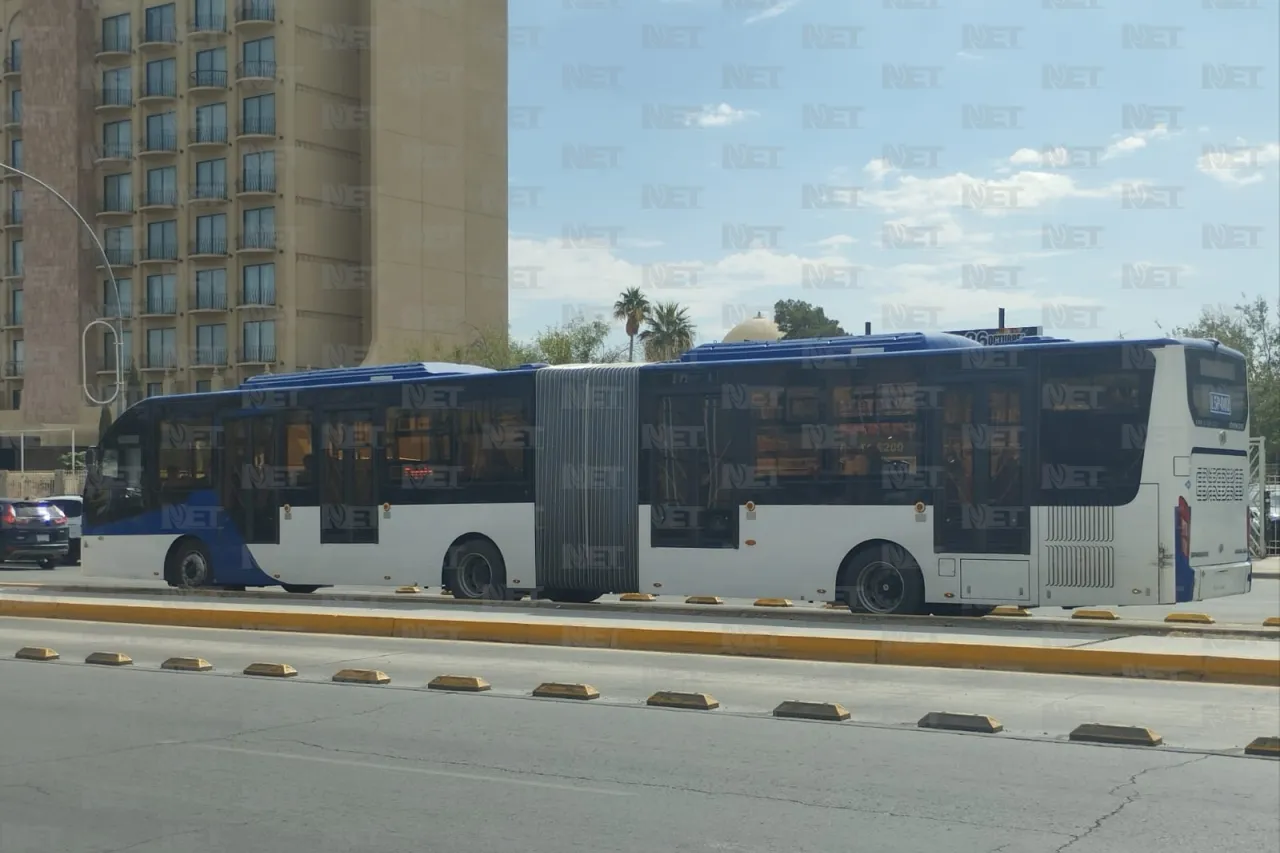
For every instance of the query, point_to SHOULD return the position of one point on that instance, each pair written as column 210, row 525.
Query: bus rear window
column 1217, row 390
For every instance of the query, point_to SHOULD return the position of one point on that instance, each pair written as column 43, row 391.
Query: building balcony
column 208, row 25
column 112, row 311
column 209, row 357
column 158, row 144
column 120, row 257
column 209, row 134
column 262, row 240
column 13, row 118
column 15, row 369
column 206, row 301
column 256, row 69
column 251, row 13
column 258, row 297
column 155, row 91
column 12, row 66
column 107, row 364
column 257, row 184
column 208, row 194
column 260, row 354
column 208, row 247
column 14, row 271
column 159, row 306
column 158, row 199
column 165, row 359
column 113, row 152
column 160, row 253
column 116, row 205
column 119, row 44
column 13, row 217
column 257, row 127
column 208, row 80
column 157, row 37
column 114, row 98
column 13, row 320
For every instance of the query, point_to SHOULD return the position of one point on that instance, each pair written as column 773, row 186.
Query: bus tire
column 886, row 580
column 298, row 589
column 189, row 566
column 477, row 572
column 571, row 596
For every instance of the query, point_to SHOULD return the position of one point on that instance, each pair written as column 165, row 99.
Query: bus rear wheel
column 885, row 580
column 298, row 589
column 478, row 572
column 189, row 566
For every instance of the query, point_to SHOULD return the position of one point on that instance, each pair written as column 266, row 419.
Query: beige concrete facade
column 279, row 184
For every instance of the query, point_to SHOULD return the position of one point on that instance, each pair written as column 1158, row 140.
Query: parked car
column 33, row 530
column 72, row 507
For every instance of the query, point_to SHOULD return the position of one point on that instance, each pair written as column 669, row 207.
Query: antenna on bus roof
column 1001, row 323
column 866, row 330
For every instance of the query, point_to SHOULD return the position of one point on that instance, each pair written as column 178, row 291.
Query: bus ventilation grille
column 1219, row 485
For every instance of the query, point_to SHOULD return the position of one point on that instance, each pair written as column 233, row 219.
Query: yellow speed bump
column 109, row 659
column 408, row 590
column 773, row 602
column 704, row 599
column 553, row 690
column 187, row 664
column 271, row 670
column 1126, row 735
column 1101, row 615
column 1265, row 746
column 1190, row 618
column 796, row 710
column 1010, row 610
column 361, row 676
column 691, row 701
column 36, row 653
column 638, row 596
column 1271, row 622
column 464, row 683
column 951, row 721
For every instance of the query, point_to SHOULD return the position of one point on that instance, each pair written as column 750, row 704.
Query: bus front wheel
column 478, row 572
column 189, row 566
column 885, row 580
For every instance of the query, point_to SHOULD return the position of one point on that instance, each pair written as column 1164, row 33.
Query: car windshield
column 71, row 509
column 45, row 511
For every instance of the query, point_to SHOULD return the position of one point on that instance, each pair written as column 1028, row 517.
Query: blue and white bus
column 903, row 473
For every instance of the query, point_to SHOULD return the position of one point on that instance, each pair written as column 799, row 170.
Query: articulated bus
column 905, row 473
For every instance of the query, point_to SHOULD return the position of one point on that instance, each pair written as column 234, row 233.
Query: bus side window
column 184, row 457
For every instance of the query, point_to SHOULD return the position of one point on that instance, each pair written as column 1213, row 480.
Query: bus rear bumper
column 1223, row 580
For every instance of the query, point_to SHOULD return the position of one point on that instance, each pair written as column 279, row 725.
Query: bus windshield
column 1217, row 390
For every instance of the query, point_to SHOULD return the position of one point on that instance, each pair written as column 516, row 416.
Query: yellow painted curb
column 465, row 683
column 1106, row 733
column 271, row 670
column 704, row 599
column 951, row 721
column 553, row 690
column 361, row 676
column 36, row 653
column 795, row 710
column 773, row 602
column 1010, row 610
column 1265, row 746
column 690, row 701
column 1102, row 615
column 187, row 664
column 109, row 659
column 1193, row 618
column 638, row 596
column 408, row 590
column 1271, row 622
column 679, row 638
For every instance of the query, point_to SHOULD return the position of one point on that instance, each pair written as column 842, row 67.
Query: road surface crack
column 1132, row 781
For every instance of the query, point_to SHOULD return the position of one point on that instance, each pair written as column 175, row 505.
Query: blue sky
column 1097, row 167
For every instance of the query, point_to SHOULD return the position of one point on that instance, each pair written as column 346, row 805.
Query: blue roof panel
column 820, row 347
column 360, row 375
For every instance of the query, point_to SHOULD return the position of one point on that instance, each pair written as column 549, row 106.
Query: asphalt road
column 1262, row 603
column 102, row 761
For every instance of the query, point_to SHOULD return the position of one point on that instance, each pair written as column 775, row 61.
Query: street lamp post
column 118, row 330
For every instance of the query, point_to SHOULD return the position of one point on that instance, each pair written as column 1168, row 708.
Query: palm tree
column 633, row 309
column 670, row 332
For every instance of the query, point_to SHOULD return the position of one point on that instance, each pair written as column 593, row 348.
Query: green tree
column 670, row 332
column 1253, row 328
column 633, row 309
column 798, row 319
column 579, row 341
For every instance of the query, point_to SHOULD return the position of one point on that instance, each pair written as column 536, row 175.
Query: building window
column 211, row 67
column 260, row 340
column 211, row 234
column 119, row 245
column 162, row 348
column 211, row 289
column 16, row 398
column 117, row 139
column 155, row 389
column 18, row 355
column 162, row 23
column 15, row 105
column 109, row 350
column 162, row 294
column 15, row 206
column 211, row 344
column 162, row 240
column 259, row 285
column 15, row 308
column 211, row 179
column 116, row 35
column 258, row 171
column 15, row 153
column 16, row 265
column 210, row 15
column 258, row 114
column 15, row 55
column 260, row 220
column 204, row 386
column 162, row 186
column 117, row 192
column 162, row 132
column 259, row 57
column 124, row 308
column 162, row 77
column 211, row 123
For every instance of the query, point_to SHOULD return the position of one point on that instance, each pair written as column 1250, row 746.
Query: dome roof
column 757, row 328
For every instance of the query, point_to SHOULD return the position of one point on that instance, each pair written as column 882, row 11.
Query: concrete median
column 1172, row 658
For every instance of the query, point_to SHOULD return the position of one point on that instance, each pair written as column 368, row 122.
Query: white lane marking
column 424, row 771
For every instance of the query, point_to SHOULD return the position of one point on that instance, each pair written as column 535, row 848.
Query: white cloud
column 878, row 169
column 964, row 54
column 721, row 115
column 779, row 8
column 1240, row 164
column 1134, row 142
column 836, row 240
column 1026, row 157
column 1020, row 191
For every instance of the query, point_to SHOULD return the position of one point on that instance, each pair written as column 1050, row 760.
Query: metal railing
column 258, row 127
column 256, row 69
column 209, row 192
column 13, row 64
column 115, row 96
column 158, row 34
column 209, row 23
column 116, row 43
column 257, row 239
column 115, row 151
column 117, row 312
column 120, row 257
column 160, row 198
column 15, row 369
column 160, row 252
column 164, row 358
column 255, row 10
column 209, row 134
column 257, row 182
column 159, row 88
column 205, row 301
column 258, row 295
column 257, row 354
column 164, row 141
column 209, row 79
column 209, row 246
column 160, row 306
column 209, row 356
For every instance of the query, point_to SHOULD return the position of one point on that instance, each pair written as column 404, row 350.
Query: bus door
column 984, row 501
column 348, row 478
column 250, row 477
